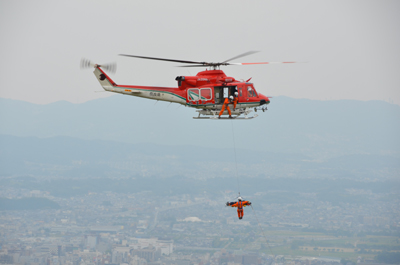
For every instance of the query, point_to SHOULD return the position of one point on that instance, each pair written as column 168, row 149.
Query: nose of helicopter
column 263, row 99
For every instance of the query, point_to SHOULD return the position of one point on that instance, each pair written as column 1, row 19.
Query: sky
column 348, row 49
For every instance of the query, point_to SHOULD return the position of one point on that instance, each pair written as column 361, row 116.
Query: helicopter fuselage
column 207, row 90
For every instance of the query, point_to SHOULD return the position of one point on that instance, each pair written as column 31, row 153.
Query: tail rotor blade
column 109, row 67
column 85, row 63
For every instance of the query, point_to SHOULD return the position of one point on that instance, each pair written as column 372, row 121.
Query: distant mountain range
column 126, row 136
column 317, row 129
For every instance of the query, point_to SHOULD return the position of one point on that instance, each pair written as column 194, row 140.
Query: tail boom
column 157, row 93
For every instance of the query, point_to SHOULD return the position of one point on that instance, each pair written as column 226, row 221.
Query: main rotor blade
column 162, row 59
column 207, row 64
column 217, row 64
column 239, row 56
column 197, row 65
column 259, row 63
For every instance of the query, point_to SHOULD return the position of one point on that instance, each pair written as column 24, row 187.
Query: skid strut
column 235, row 114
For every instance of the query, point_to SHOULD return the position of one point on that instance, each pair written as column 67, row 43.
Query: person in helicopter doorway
column 239, row 204
column 227, row 101
column 235, row 100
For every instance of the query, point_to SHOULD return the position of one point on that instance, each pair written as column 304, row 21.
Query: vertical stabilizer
column 105, row 81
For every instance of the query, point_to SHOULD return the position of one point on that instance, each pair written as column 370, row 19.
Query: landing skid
column 214, row 115
column 227, row 118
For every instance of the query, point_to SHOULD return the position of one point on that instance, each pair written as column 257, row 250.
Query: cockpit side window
column 250, row 92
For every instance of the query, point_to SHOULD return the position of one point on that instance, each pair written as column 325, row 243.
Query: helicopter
column 205, row 92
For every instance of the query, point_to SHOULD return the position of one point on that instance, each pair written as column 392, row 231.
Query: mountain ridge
column 318, row 129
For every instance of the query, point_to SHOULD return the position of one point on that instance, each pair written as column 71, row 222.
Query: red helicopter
column 206, row 91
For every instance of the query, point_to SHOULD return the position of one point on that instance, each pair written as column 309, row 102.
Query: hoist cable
column 262, row 230
column 234, row 149
column 237, row 179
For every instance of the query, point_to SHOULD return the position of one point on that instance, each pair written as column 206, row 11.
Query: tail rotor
column 109, row 67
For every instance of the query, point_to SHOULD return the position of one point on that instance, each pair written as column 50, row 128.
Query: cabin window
column 193, row 94
column 240, row 92
column 206, row 93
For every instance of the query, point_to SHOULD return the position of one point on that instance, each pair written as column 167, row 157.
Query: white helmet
column 236, row 93
column 230, row 97
column 240, row 198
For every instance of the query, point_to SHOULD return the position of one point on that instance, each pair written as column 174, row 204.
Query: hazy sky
column 352, row 47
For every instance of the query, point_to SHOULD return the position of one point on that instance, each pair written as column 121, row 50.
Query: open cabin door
column 222, row 92
column 226, row 92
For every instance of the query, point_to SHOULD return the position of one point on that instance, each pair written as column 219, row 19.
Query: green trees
column 388, row 257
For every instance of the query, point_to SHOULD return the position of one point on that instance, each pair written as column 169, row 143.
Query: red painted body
column 203, row 91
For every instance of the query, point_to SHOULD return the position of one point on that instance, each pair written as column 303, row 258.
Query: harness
column 240, row 205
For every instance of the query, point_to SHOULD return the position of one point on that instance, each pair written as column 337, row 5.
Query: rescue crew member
column 235, row 100
column 226, row 105
column 239, row 204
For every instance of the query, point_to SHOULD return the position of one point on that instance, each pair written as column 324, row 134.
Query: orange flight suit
column 239, row 205
column 235, row 101
column 226, row 103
